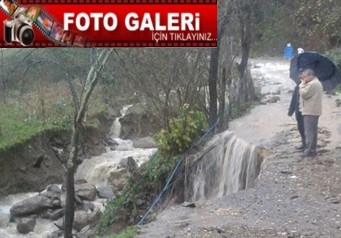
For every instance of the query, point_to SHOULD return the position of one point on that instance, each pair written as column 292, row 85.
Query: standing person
column 295, row 108
column 311, row 100
column 288, row 52
column 295, row 100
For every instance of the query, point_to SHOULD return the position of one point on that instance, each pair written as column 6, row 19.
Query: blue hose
column 173, row 173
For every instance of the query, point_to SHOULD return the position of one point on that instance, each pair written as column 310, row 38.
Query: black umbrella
column 324, row 68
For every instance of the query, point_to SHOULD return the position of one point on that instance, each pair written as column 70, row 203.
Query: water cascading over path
column 226, row 165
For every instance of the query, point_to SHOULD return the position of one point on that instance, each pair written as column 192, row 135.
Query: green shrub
column 158, row 168
column 152, row 176
column 183, row 131
column 335, row 56
column 129, row 232
column 109, row 214
column 146, row 184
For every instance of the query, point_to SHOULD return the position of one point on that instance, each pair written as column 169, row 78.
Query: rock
column 338, row 102
column 110, row 142
column 117, row 179
column 140, row 202
column 78, row 199
column 88, row 206
column 62, row 200
column 26, row 225
column 293, row 197
column 285, row 172
column 144, row 143
column 262, row 102
column 46, row 214
column 273, row 99
column 129, row 164
column 106, row 192
column 52, row 197
column 334, row 200
column 86, row 191
column 81, row 181
column 54, row 189
column 60, row 223
column 57, row 214
column 83, row 218
column 188, row 204
column 86, row 232
column 32, row 205
column 56, row 234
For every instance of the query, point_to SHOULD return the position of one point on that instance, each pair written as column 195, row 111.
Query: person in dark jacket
column 295, row 108
column 295, row 100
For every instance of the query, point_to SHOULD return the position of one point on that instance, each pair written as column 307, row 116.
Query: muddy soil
column 294, row 196
column 34, row 165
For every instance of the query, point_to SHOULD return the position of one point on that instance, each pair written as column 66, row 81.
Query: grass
column 37, row 97
column 129, row 232
column 17, row 127
column 20, row 120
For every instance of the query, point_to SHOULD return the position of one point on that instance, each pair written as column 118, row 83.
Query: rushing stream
column 95, row 170
column 8, row 229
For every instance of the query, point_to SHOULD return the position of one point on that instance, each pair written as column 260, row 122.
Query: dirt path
column 294, row 197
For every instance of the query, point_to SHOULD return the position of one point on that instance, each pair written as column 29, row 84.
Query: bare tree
column 214, row 63
column 2, row 82
column 81, row 106
column 244, row 12
column 165, row 79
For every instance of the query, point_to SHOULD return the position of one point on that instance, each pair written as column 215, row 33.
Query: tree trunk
column 70, row 203
column 212, row 84
column 223, row 122
column 214, row 65
column 70, row 185
column 245, row 36
column 3, row 82
column 71, row 164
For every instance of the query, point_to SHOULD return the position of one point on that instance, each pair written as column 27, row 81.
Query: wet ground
column 294, row 197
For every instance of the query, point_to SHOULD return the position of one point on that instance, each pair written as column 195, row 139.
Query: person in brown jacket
column 311, row 92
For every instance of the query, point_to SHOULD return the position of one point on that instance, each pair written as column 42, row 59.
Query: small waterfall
column 98, row 169
column 226, row 165
column 115, row 129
